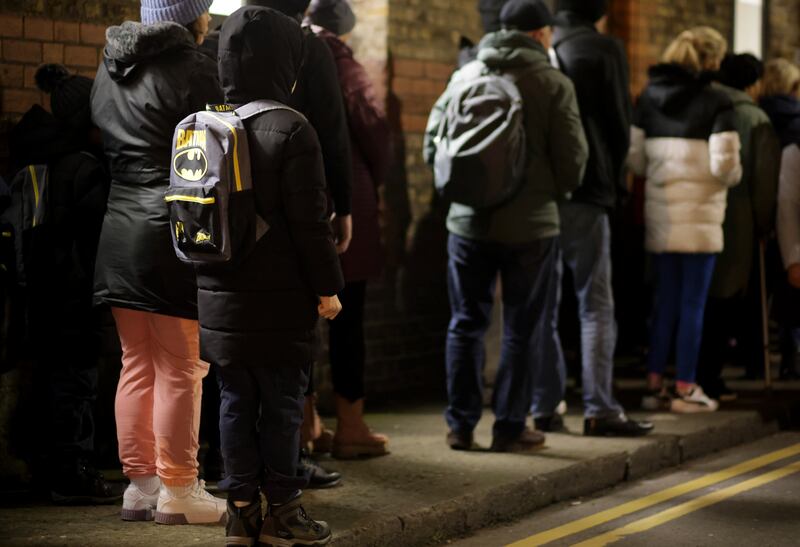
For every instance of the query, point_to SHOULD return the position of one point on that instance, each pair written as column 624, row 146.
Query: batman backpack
column 212, row 209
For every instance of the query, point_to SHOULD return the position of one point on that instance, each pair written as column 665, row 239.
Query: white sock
column 149, row 485
column 181, row 491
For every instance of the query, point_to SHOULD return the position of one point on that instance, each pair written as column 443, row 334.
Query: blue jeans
column 526, row 273
column 586, row 248
column 682, row 283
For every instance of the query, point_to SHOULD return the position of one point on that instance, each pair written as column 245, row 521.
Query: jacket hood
column 509, row 49
column 292, row 8
column 39, row 138
column 338, row 47
column 737, row 96
column 568, row 18
column 784, row 112
column 671, row 86
column 260, row 55
column 130, row 43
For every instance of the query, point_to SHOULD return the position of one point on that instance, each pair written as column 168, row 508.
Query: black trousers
column 261, row 410
column 346, row 343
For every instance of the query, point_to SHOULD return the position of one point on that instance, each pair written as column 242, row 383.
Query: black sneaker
column 244, row 524
column 550, row 424
column 616, row 426
column 84, row 485
column 288, row 525
column 318, row 476
column 459, row 441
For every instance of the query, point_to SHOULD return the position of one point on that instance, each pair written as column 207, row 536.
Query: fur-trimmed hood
column 130, row 43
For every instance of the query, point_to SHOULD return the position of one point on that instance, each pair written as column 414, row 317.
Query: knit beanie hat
column 740, row 71
column 525, row 15
column 592, row 10
column 333, row 15
column 292, row 8
column 490, row 14
column 70, row 95
column 178, row 11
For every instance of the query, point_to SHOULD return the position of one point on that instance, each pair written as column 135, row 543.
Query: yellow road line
column 689, row 507
column 614, row 513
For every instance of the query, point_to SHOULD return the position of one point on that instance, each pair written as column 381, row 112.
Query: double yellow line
column 673, row 513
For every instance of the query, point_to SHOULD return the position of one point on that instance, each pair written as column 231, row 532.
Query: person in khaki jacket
column 517, row 239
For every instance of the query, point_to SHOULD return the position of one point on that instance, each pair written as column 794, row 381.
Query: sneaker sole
column 271, row 541
column 180, row 518
column 682, row 407
column 238, row 541
column 137, row 514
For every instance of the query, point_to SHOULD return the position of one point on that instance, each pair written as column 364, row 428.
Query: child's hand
column 329, row 307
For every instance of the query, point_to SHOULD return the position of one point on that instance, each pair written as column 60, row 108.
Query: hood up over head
column 292, row 8
column 260, row 55
column 130, row 43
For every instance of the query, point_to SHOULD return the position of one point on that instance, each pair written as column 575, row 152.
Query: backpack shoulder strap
column 261, row 106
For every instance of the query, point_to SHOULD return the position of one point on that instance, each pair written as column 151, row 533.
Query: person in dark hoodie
column 57, row 228
column 369, row 134
column 153, row 75
column 684, row 140
column 597, row 66
column 781, row 102
column 257, row 321
column 734, row 305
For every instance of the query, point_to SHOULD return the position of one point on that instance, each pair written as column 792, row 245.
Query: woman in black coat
column 153, row 75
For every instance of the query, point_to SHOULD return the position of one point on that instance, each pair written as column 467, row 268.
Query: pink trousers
column 158, row 396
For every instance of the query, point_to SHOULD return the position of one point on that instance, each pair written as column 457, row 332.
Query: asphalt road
column 747, row 496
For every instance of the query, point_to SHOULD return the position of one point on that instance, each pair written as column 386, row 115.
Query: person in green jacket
column 517, row 239
column 734, row 298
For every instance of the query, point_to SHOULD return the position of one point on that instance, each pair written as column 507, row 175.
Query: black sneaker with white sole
column 289, row 525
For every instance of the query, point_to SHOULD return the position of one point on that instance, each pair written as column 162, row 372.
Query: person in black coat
column 55, row 230
column 597, row 66
column 152, row 76
column 257, row 319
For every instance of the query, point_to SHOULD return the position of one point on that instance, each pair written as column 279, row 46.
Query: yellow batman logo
column 191, row 164
column 202, row 237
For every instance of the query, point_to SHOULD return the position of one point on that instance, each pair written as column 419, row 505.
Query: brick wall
column 783, row 34
column 648, row 26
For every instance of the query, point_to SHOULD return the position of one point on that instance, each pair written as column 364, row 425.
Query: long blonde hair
column 697, row 49
column 781, row 77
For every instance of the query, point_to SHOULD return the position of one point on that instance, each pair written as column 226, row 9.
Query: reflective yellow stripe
column 201, row 201
column 35, row 182
column 236, row 174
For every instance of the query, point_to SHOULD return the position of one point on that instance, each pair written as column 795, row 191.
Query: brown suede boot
column 353, row 438
column 314, row 436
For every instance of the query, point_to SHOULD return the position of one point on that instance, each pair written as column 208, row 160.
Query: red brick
column 414, row 124
column 19, row 101
column 12, row 75
column 439, row 71
column 38, row 29
column 93, row 34
column 408, row 68
column 83, row 56
column 30, row 77
column 52, row 53
column 11, row 26
column 22, row 51
column 67, row 32
column 88, row 72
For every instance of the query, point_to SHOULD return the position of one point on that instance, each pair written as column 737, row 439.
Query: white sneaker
column 136, row 505
column 189, row 505
column 693, row 402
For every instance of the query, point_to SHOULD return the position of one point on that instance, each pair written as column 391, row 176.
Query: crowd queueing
column 534, row 144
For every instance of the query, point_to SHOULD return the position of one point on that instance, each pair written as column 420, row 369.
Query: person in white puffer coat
column 685, row 142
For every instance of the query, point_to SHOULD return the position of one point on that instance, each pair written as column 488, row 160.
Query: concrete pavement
column 424, row 493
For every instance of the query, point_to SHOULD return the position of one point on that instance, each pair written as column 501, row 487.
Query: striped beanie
column 177, row 11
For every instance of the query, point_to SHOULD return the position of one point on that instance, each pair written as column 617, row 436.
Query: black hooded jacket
column 266, row 307
column 784, row 112
column 597, row 66
column 151, row 78
column 319, row 98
